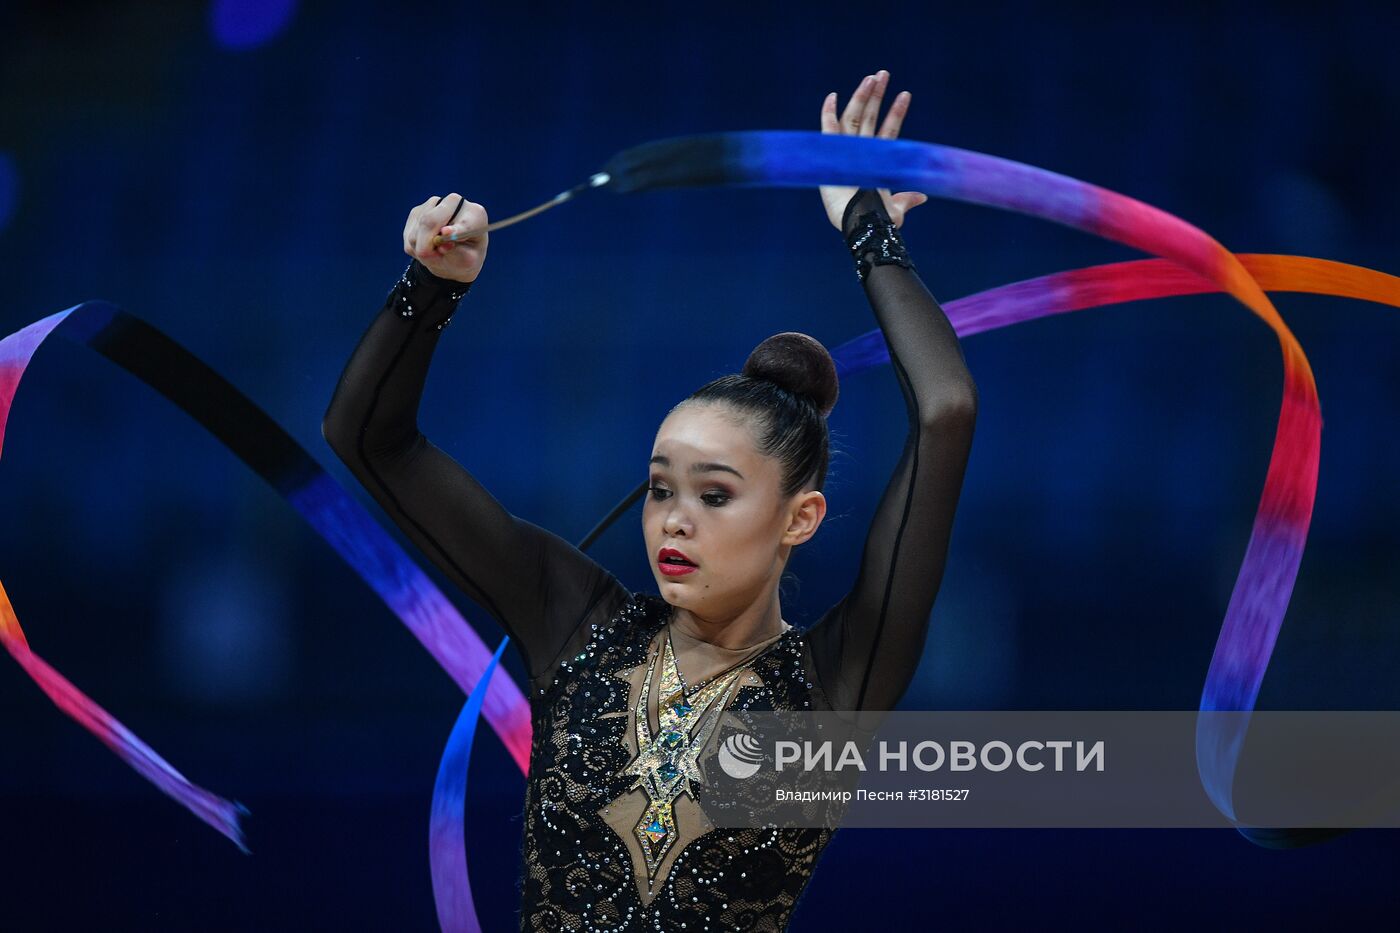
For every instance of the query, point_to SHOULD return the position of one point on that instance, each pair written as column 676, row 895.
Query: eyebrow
column 700, row 467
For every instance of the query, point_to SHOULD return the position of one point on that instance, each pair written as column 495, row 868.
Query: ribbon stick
column 1188, row 261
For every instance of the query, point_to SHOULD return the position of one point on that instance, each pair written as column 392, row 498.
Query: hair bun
column 799, row 364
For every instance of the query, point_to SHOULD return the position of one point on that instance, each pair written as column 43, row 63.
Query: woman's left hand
column 859, row 119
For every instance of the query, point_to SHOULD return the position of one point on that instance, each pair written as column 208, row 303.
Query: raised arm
column 535, row 584
column 867, row 647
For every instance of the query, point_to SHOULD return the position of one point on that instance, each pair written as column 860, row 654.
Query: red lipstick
column 673, row 563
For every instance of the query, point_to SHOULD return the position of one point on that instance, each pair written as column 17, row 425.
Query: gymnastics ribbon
column 1058, row 293
column 447, row 843
column 1190, row 263
column 1265, row 582
column 1099, row 286
column 270, row 451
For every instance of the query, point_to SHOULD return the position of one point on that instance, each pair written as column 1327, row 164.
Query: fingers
column 871, row 114
column 411, row 224
column 473, row 217
column 850, row 117
column 449, row 244
column 862, row 112
column 895, row 118
column 433, row 220
column 908, row 200
column 829, row 122
column 444, row 207
column 424, row 222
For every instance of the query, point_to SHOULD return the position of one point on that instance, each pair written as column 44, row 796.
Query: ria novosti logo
column 740, row 756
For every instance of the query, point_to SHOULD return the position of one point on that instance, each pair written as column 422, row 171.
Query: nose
column 676, row 524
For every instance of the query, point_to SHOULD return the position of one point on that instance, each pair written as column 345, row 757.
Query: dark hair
column 789, row 386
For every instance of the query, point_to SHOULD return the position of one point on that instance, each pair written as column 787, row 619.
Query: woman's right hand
column 459, row 261
column 859, row 118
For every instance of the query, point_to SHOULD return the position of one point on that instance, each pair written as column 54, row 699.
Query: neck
column 759, row 622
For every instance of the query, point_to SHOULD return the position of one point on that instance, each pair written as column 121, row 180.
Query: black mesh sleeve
column 866, row 648
column 539, row 587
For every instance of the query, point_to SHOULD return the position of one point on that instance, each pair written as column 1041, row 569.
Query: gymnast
column 615, row 834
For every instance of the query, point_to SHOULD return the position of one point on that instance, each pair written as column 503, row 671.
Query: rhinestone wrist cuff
column 875, row 241
column 420, row 292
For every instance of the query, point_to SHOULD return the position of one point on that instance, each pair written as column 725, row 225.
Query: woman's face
column 715, row 498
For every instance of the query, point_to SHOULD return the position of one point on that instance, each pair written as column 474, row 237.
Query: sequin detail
column 875, row 241
column 579, row 872
column 431, row 294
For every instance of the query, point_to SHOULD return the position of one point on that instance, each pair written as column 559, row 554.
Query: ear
column 804, row 516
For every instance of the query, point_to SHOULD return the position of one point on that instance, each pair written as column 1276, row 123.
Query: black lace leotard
column 587, row 641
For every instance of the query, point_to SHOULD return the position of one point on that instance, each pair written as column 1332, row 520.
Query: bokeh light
column 247, row 24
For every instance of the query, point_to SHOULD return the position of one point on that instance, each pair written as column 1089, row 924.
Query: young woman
column 619, row 681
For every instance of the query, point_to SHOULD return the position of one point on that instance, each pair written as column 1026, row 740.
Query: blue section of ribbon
column 447, row 849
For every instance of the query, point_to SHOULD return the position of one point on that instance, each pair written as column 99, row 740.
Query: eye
column 659, row 493
column 715, row 499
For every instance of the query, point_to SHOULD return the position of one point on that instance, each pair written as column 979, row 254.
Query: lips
column 673, row 562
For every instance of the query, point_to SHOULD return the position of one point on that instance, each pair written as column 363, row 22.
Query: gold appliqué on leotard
column 667, row 762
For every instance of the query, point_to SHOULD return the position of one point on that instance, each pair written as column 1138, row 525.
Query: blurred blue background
column 238, row 175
